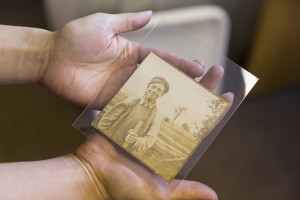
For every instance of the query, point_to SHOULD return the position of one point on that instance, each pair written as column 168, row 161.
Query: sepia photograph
column 160, row 116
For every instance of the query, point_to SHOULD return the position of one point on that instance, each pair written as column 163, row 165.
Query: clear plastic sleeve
column 165, row 37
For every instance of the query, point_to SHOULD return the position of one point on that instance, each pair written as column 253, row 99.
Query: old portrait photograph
column 160, row 116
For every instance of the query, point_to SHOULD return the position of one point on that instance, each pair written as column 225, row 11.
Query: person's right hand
column 120, row 177
column 131, row 137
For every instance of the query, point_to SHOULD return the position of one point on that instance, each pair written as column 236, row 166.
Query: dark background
column 255, row 156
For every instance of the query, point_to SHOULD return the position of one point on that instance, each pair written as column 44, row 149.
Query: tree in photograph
column 197, row 131
column 167, row 119
column 186, row 127
column 217, row 108
column 178, row 111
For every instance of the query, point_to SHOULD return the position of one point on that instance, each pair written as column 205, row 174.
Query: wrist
column 93, row 185
column 58, row 178
column 24, row 53
column 77, row 179
column 40, row 49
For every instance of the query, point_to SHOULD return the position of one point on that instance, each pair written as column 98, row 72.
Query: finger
column 228, row 97
column 200, row 62
column 132, row 133
column 129, row 21
column 130, row 140
column 212, row 77
column 127, row 139
column 191, row 68
column 133, row 139
column 191, row 190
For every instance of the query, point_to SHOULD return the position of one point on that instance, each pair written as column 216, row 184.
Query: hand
column 98, row 170
column 122, row 177
column 131, row 137
column 88, row 52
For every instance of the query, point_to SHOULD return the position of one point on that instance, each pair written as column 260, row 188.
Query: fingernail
column 230, row 94
column 200, row 62
column 147, row 12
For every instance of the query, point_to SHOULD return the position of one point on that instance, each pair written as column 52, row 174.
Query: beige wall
column 275, row 57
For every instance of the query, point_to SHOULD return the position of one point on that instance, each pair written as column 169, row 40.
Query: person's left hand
column 86, row 53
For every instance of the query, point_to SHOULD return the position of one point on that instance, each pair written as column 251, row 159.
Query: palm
column 123, row 178
column 84, row 57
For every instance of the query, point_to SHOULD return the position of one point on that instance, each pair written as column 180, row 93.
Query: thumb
column 183, row 189
column 126, row 22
